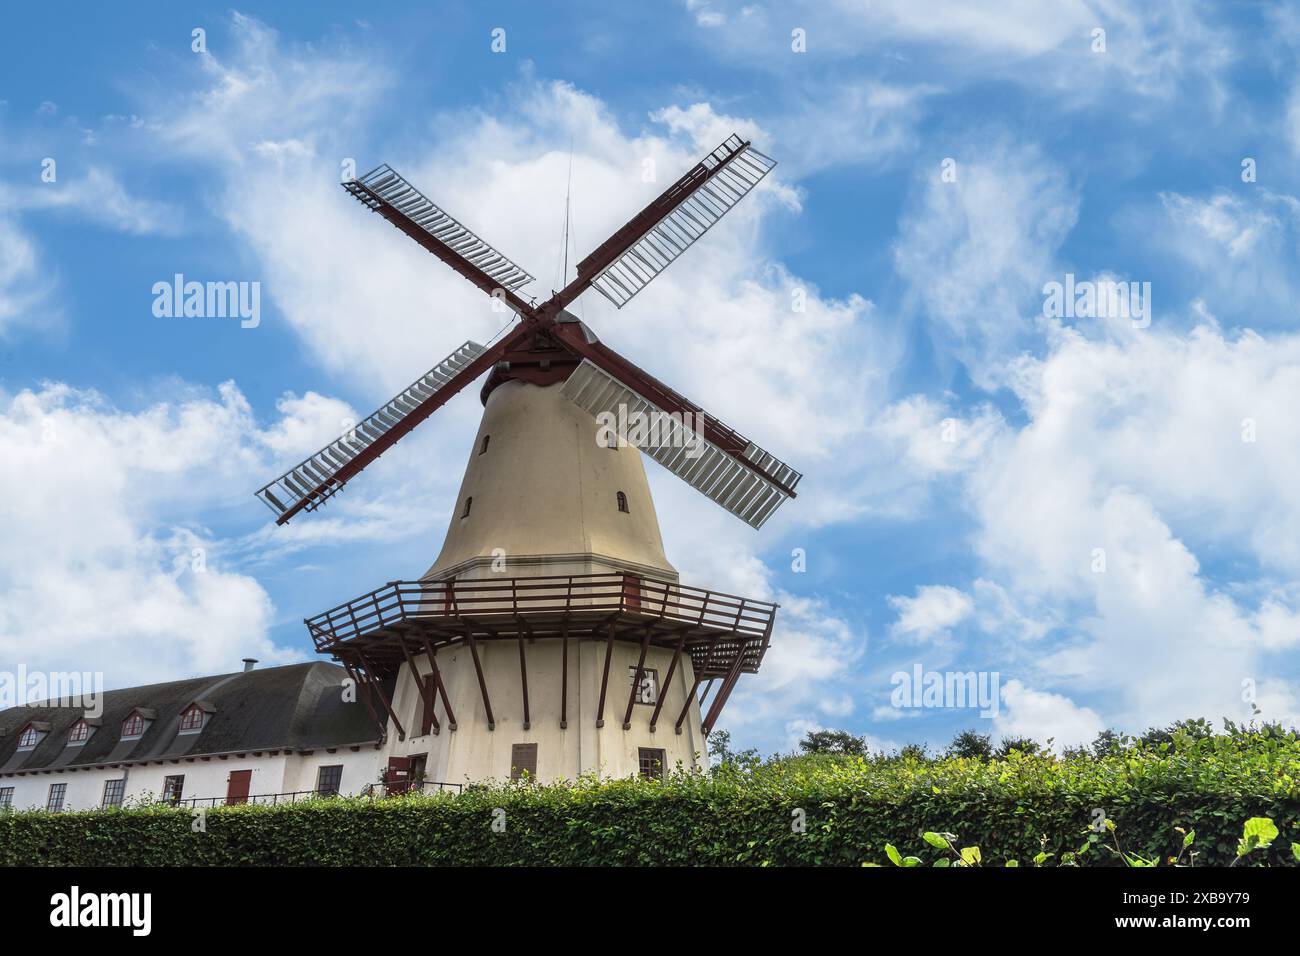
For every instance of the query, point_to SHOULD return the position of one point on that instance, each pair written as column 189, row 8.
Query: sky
column 1097, row 515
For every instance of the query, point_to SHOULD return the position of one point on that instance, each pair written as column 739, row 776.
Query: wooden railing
column 532, row 598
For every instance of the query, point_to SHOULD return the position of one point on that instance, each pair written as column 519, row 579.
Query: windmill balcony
column 723, row 634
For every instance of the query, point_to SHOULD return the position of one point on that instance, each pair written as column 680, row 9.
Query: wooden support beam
column 636, row 679
column 564, row 673
column 432, row 653
column 604, row 680
column 383, row 699
column 478, row 669
column 690, row 698
column 523, row 678
column 364, row 691
column 733, row 677
column 667, row 682
column 704, row 694
column 429, row 720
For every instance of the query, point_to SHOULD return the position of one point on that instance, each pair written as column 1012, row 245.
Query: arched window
column 133, row 726
column 622, row 502
column 192, row 718
column 483, row 447
column 469, row 503
column 79, row 733
column 29, row 737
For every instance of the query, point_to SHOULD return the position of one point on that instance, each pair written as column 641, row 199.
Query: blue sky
column 967, row 457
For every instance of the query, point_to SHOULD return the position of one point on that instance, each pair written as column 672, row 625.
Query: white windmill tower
column 551, row 635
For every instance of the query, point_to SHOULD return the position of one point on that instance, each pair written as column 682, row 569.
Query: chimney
column 248, row 663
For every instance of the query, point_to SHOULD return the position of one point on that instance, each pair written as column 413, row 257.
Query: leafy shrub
column 816, row 809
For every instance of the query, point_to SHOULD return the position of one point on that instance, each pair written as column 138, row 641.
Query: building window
column 113, row 791
column 55, row 801
column 28, row 738
column 6, row 797
column 79, row 733
column 328, row 780
column 523, row 760
column 469, row 503
column 483, row 447
column 192, row 719
column 622, row 503
column 173, row 785
column 133, row 726
column 648, row 691
column 651, row 763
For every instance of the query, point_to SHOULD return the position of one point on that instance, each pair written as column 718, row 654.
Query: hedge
column 1013, row 809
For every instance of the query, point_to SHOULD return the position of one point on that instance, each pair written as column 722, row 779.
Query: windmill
column 610, row 583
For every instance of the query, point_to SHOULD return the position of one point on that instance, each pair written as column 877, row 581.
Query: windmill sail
column 384, row 190
column 751, row 484
column 655, row 237
column 310, row 483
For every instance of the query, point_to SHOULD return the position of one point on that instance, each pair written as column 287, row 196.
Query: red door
column 398, row 779
column 237, row 785
column 631, row 593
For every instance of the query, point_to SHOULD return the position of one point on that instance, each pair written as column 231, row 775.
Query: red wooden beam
column 364, row 691
column 690, row 698
column 564, row 674
column 428, row 702
column 401, row 732
column 649, row 387
column 733, row 676
column 432, row 653
column 482, row 684
column 636, row 680
column 667, row 682
column 604, row 680
column 634, row 229
column 444, row 252
column 418, row 414
column 523, row 677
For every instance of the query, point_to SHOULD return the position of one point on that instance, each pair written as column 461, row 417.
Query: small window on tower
column 483, row 447
column 622, row 502
column 650, row 762
column 469, row 503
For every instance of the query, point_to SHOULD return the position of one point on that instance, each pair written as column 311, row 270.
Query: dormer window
column 32, row 735
column 80, row 732
column 195, row 716
column 133, row 726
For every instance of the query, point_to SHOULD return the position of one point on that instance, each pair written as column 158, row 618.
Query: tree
column 968, row 743
column 722, row 754
column 1109, row 743
column 1023, row 744
column 839, row 742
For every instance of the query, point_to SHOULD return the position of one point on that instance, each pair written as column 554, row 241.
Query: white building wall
column 473, row 753
column 204, row 777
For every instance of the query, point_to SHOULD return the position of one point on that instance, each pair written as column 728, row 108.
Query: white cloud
column 1134, row 454
column 976, row 251
column 936, row 609
column 97, row 196
column 1151, row 51
column 101, row 570
column 1041, row 716
column 23, row 287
